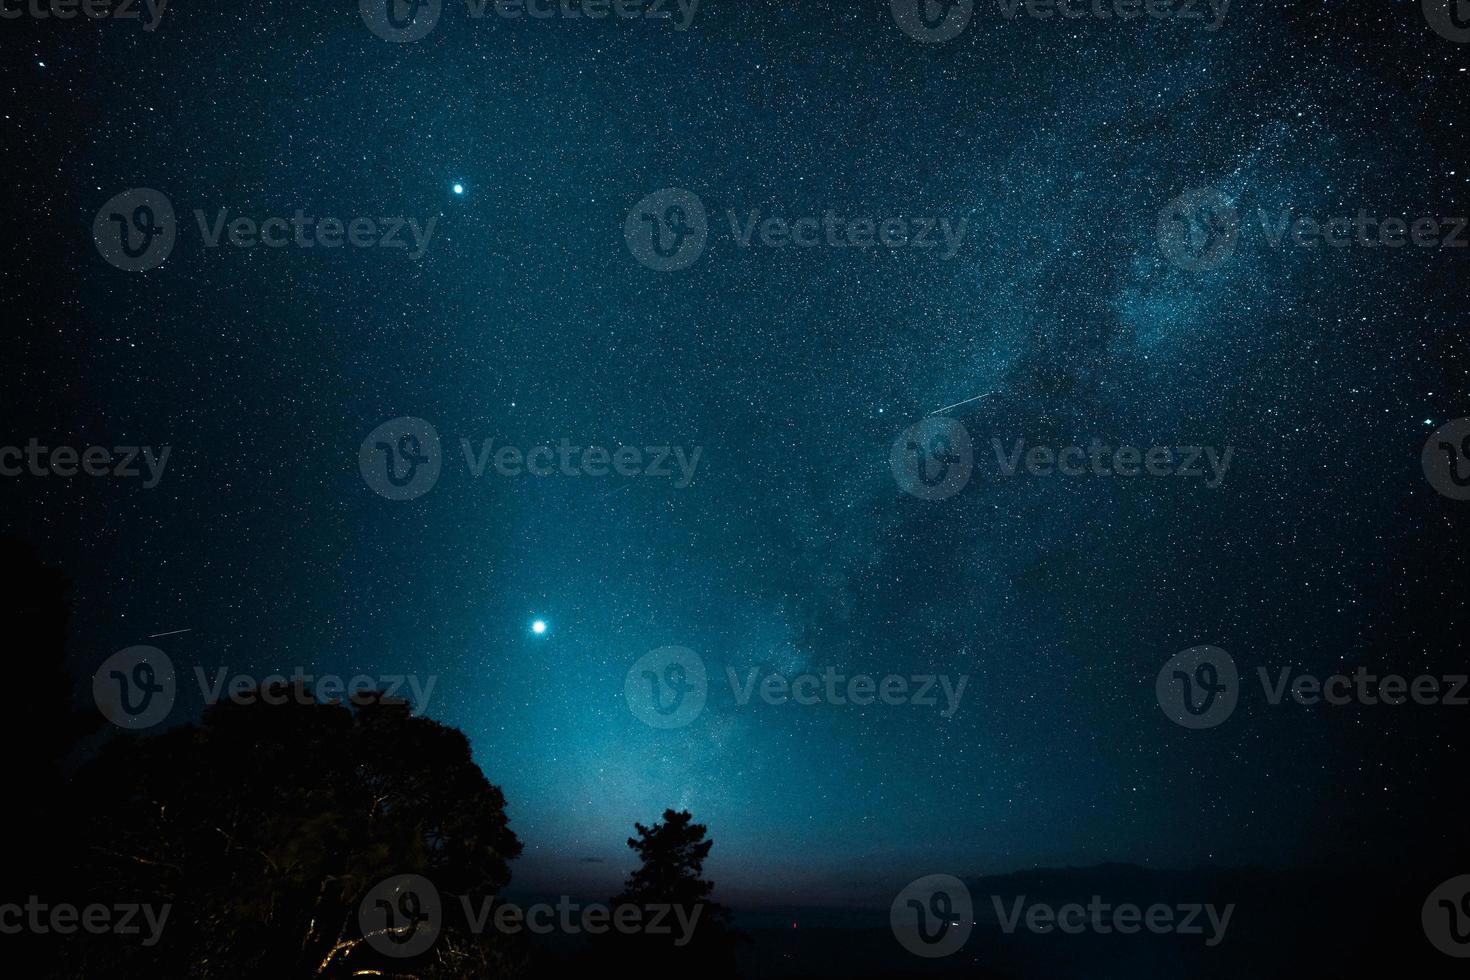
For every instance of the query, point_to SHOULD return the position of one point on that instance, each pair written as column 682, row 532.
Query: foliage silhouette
column 269, row 823
column 672, row 855
column 265, row 825
column 262, row 827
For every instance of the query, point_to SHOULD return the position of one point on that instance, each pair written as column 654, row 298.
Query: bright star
column 459, row 188
column 538, row 627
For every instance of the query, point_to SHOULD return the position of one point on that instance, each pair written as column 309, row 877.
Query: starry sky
column 528, row 320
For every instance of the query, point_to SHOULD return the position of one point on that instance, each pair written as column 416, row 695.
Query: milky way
column 528, row 320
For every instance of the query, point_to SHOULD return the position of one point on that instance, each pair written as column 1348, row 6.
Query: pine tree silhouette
column 671, row 875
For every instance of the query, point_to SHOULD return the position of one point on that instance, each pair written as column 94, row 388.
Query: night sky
column 528, row 319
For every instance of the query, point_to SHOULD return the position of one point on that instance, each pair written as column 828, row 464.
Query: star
column 538, row 627
column 459, row 189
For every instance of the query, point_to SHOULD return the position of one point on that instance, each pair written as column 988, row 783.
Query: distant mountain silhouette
column 1317, row 922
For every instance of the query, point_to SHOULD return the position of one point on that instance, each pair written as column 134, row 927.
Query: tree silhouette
column 266, row 825
column 40, row 726
column 33, row 601
column 671, row 875
column 673, row 854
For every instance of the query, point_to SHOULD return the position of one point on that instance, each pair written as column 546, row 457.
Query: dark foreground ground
column 1318, row 924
